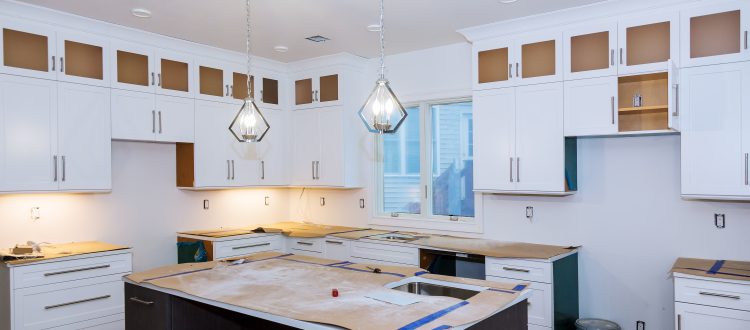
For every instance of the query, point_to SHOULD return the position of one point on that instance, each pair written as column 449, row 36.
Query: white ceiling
column 410, row 24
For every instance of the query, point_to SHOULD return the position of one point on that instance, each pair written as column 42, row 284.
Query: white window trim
column 424, row 220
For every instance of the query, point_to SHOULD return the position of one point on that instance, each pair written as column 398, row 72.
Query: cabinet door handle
column 53, row 63
column 612, row 109
column 62, row 64
column 517, row 75
column 305, row 243
column 250, row 246
column 142, row 302
column 63, row 168
column 232, row 169
column 160, row 122
column 746, row 174
column 312, row 166
column 153, row 79
column 229, row 171
column 745, row 39
column 679, row 322
column 153, row 121
column 511, row 169
column 612, row 57
column 227, row 93
column 335, row 242
column 518, row 169
column 76, row 302
column 262, row 170
column 719, row 295
column 231, row 90
column 54, row 168
column 513, row 269
column 620, row 55
column 62, row 272
column 261, row 96
column 317, row 170
column 510, row 70
column 676, row 111
column 159, row 77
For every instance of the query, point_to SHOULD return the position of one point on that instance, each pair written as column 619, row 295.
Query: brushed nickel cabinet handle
column 676, row 111
column 335, row 242
column 231, row 90
column 305, row 243
column 511, row 169
column 63, row 168
column 250, row 246
column 53, row 63
column 746, row 174
column 153, row 79
column 262, row 169
column 745, row 39
column 54, row 168
column 517, row 75
column 229, row 171
column 313, row 169
column 153, row 121
column 510, row 70
column 612, row 57
column 232, row 169
column 142, row 302
column 518, row 169
column 227, row 93
column 620, row 55
column 159, row 76
column 512, row 269
column 612, row 109
column 160, row 130
column 76, row 270
column 679, row 322
column 719, row 295
column 62, row 64
column 77, row 302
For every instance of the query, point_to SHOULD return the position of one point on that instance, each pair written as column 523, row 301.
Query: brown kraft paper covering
column 492, row 248
column 299, row 287
column 54, row 251
column 355, row 235
column 726, row 269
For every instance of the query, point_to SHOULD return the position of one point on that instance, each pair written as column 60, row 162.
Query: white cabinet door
column 28, row 49
column 538, row 58
column 83, row 58
column 494, row 139
column 245, row 163
column 212, row 144
column 590, row 50
column 132, row 66
column 673, row 94
column 212, row 80
column 713, row 104
column 272, row 150
column 715, row 34
column 28, row 134
column 330, row 167
column 85, row 139
column 590, row 106
column 306, row 147
column 642, row 42
column 493, row 64
column 133, row 115
column 540, row 142
column 175, row 119
column 699, row 317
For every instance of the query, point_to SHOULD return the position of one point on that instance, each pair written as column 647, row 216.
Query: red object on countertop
column 335, row 293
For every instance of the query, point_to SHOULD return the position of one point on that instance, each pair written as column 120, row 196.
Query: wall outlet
column 719, row 220
column 322, row 201
column 35, row 213
column 529, row 212
column 640, row 325
column 205, row 204
column 361, row 203
column 266, row 201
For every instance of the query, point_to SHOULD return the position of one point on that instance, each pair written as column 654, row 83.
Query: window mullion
column 426, row 163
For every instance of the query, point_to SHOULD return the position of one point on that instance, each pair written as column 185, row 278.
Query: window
column 427, row 166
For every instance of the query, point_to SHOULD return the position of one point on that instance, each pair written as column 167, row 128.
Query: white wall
column 144, row 210
column 627, row 215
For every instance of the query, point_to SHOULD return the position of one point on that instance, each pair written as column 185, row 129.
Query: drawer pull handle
column 76, row 270
column 250, row 246
column 142, row 302
column 335, row 242
column 520, row 270
column 305, row 243
column 76, row 302
column 728, row 296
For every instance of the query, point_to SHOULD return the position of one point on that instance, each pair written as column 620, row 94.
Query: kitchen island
column 285, row 291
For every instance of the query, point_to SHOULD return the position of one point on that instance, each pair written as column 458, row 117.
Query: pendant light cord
column 382, row 41
column 247, row 46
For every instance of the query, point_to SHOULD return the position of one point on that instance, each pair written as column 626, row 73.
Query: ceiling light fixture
column 249, row 125
column 382, row 112
column 281, row 49
column 141, row 12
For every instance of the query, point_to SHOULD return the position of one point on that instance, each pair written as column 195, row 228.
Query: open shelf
column 653, row 114
column 646, row 108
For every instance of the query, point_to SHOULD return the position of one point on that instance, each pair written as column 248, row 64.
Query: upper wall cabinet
column 316, row 89
column 144, row 69
column 648, row 42
column 590, row 51
column 216, row 81
column 268, row 90
column 140, row 116
column 41, row 52
column 528, row 59
column 715, row 34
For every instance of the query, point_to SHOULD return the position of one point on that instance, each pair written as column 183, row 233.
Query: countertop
column 66, row 250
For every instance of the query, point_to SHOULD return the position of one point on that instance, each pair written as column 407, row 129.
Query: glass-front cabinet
column 715, row 34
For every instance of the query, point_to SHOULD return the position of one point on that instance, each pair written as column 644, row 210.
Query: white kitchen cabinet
column 28, row 49
column 83, row 58
column 305, row 147
column 715, row 34
column 492, row 64
column 272, row 150
column 590, row 50
column 714, row 104
column 710, row 303
column 590, row 106
column 648, row 42
column 380, row 253
column 337, row 249
column 317, row 89
column 697, row 317
column 533, row 155
column 175, row 119
column 84, row 137
column 142, row 68
column 269, row 91
column 140, row 116
column 220, row 81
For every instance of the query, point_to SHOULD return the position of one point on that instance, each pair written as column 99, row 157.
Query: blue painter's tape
column 716, row 267
column 519, row 287
column 503, row 291
column 434, row 316
column 443, row 327
column 721, row 273
column 421, row 273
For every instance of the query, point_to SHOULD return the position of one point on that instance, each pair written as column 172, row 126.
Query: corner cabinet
column 519, row 142
column 715, row 145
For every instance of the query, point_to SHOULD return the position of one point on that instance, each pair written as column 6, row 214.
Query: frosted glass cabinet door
column 493, row 64
column 713, row 107
column 590, row 107
column 174, row 75
column 132, row 66
column 648, row 42
column 83, row 58
column 28, row 134
column 28, row 50
column 590, row 51
column 494, row 139
column 699, row 317
column 715, row 34
column 538, row 58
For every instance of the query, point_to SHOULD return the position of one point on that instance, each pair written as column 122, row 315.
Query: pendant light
column 382, row 113
column 249, row 125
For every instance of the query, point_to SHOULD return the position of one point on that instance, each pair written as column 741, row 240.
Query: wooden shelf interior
column 25, row 50
column 211, row 81
column 270, row 91
column 239, row 85
column 132, row 68
column 493, row 65
column 329, row 88
column 648, row 43
column 653, row 114
column 538, row 59
column 589, row 52
column 185, row 165
column 84, row 60
column 174, row 75
column 303, row 91
column 715, row 34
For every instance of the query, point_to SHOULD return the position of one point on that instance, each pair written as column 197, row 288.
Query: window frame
column 425, row 219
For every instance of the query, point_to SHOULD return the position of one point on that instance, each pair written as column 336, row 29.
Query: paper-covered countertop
column 54, row 251
column 726, row 269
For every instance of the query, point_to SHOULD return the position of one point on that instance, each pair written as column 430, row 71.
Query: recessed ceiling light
column 141, row 12
column 506, row 1
column 281, row 49
column 373, row 28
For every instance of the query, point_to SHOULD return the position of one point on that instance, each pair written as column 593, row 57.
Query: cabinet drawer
column 71, row 270
column 711, row 293
column 699, row 317
column 226, row 249
column 48, row 306
column 306, row 244
column 386, row 253
column 112, row 322
column 336, row 249
column 539, row 303
column 519, row 269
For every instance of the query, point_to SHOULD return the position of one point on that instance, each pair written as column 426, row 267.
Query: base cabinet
column 697, row 317
column 710, row 303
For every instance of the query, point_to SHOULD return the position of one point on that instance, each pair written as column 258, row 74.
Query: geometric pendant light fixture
column 382, row 113
column 249, row 125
